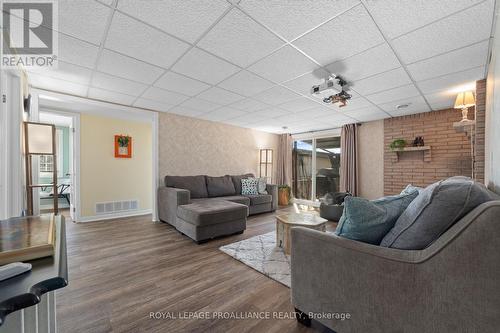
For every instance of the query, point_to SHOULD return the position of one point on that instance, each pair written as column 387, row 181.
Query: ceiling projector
column 332, row 91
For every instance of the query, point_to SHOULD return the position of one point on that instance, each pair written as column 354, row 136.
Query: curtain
column 284, row 161
column 349, row 159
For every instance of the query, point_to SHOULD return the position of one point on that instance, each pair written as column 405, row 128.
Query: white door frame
column 114, row 111
column 75, row 210
column 12, row 184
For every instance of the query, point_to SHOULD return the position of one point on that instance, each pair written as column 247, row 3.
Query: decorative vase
column 283, row 196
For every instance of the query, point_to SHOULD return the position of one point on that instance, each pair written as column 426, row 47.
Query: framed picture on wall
column 123, row 146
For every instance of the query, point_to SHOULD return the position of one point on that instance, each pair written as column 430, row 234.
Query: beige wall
column 103, row 177
column 492, row 140
column 189, row 146
column 371, row 159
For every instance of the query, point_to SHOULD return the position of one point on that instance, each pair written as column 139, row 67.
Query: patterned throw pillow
column 249, row 186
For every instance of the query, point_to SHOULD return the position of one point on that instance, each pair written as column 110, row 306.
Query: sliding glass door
column 319, row 157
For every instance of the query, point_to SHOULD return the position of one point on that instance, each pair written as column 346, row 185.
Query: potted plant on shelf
column 397, row 144
column 284, row 195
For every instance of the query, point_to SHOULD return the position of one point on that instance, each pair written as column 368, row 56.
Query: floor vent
column 116, row 206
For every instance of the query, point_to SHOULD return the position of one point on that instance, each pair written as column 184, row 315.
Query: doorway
column 65, row 164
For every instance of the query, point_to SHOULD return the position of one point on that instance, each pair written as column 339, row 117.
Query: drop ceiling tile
column 249, row 105
column 394, row 94
column 164, row 96
column 134, row 39
column 181, row 84
column 152, row 105
column 249, row 118
column 380, row 82
column 64, row 71
column 344, row 36
column 284, row 64
column 200, row 105
column 291, row 18
column 246, row 83
column 397, row 17
column 239, row 39
column 203, row 66
column 318, row 111
column 185, row 19
column 415, row 104
column 441, row 100
column 455, row 61
column 222, row 114
column 276, row 95
column 110, row 96
column 187, row 112
column 448, row 82
column 304, row 83
column 299, row 104
column 83, row 19
column 451, row 33
column 113, row 83
column 367, row 114
column 49, row 83
column 220, row 96
column 77, row 52
column 370, row 62
column 271, row 112
column 119, row 65
column 334, row 118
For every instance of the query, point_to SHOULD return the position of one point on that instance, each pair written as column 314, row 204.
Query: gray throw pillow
column 434, row 211
column 369, row 221
column 220, row 186
column 261, row 187
column 249, row 186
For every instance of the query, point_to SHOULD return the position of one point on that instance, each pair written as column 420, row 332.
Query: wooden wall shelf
column 425, row 149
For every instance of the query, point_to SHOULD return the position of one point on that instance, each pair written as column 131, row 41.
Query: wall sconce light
column 266, row 164
column 464, row 101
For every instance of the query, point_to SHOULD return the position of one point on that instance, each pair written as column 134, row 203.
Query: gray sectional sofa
column 204, row 207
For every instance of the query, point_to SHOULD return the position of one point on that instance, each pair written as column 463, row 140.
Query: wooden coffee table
column 285, row 222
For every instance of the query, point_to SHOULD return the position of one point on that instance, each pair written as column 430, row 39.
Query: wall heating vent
column 116, row 206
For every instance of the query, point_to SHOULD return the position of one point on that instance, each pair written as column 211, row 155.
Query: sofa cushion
column 369, row 221
column 259, row 199
column 410, row 188
column 211, row 211
column 435, row 210
column 237, row 181
column 220, row 186
column 249, row 186
column 236, row 198
column 195, row 184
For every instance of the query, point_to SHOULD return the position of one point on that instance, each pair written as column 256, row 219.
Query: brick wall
column 450, row 151
column 479, row 141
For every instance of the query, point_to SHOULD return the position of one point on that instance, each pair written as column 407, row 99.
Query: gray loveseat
column 204, row 207
column 450, row 286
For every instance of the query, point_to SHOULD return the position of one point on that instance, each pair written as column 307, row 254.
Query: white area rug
column 260, row 253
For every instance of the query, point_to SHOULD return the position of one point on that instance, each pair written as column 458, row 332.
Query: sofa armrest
column 169, row 198
column 272, row 189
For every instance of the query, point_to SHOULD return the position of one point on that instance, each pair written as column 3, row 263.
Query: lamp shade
column 465, row 100
column 39, row 138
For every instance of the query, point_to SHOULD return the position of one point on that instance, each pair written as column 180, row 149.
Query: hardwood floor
column 122, row 270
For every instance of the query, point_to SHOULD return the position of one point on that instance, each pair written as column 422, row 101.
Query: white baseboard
column 112, row 216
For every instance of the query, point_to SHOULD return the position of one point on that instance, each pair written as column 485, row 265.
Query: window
column 46, row 162
column 319, row 157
